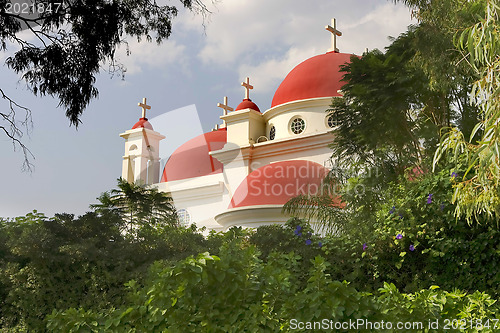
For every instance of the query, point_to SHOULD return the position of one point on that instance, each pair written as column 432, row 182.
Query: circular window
column 297, row 126
column 272, row 133
column 184, row 217
column 332, row 121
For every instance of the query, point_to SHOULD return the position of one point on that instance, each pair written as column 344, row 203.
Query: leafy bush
column 63, row 262
column 414, row 241
column 239, row 292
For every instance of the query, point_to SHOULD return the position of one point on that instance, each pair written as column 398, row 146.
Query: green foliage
column 480, row 193
column 238, row 292
column 377, row 120
column 296, row 238
column 56, row 263
column 444, row 251
column 266, row 280
column 138, row 206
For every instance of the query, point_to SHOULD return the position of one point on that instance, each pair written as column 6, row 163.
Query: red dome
column 277, row 183
column 192, row 158
column 318, row 76
column 247, row 104
column 144, row 123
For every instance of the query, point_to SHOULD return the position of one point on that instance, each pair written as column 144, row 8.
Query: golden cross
column 144, row 107
column 247, row 86
column 226, row 108
column 335, row 33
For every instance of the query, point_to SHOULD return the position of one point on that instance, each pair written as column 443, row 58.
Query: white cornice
column 137, row 132
column 252, row 216
column 242, row 115
column 296, row 105
column 194, row 188
column 274, row 147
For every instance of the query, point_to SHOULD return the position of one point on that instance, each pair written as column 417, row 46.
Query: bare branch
column 14, row 129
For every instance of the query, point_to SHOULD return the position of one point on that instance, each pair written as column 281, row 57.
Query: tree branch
column 12, row 129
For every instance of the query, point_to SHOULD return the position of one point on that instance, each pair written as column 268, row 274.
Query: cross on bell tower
column 226, row 108
column 247, row 86
column 144, row 107
column 141, row 162
column 333, row 29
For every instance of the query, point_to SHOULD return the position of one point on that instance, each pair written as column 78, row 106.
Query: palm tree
column 138, row 206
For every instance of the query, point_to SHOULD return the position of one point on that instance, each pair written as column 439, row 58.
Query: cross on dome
column 247, row 86
column 144, row 107
column 333, row 29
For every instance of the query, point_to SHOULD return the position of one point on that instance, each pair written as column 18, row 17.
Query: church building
column 245, row 170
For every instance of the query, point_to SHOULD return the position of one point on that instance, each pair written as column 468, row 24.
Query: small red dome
column 143, row 123
column 318, row 76
column 192, row 158
column 277, row 183
column 247, row 104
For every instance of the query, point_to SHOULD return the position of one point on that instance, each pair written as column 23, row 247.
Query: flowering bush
column 414, row 241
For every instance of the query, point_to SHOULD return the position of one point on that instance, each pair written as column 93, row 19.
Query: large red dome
column 318, row 76
column 277, row 183
column 192, row 159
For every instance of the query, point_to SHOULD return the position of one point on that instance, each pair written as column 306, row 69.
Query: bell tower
column 141, row 162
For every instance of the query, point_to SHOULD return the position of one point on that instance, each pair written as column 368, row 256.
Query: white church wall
column 312, row 111
column 202, row 198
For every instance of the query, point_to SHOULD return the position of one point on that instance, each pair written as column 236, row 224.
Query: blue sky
column 193, row 70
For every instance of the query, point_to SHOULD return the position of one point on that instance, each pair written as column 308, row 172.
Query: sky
column 183, row 79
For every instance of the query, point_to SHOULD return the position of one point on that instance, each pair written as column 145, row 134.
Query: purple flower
column 308, row 242
column 365, row 247
column 320, row 244
column 400, row 216
column 297, row 231
column 412, row 248
column 429, row 198
column 399, row 236
column 442, row 206
column 454, row 175
column 393, row 209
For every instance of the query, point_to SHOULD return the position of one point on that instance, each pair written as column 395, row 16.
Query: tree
column 55, row 263
column 138, row 206
column 73, row 38
column 479, row 190
column 397, row 106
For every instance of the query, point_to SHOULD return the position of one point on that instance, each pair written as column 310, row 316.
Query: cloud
column 242, row 31
column 373, row 29
column 268, row 74
column 265, row 39
column 369, row 31
column 137, row 56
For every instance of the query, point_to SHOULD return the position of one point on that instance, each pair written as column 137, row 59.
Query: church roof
column 192, row 159
column 277, row 183
column 315, row 77
column 143, row 123
column 247, row 104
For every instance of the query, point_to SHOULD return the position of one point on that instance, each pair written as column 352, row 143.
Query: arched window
column 272, row 133
column 184, row 217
